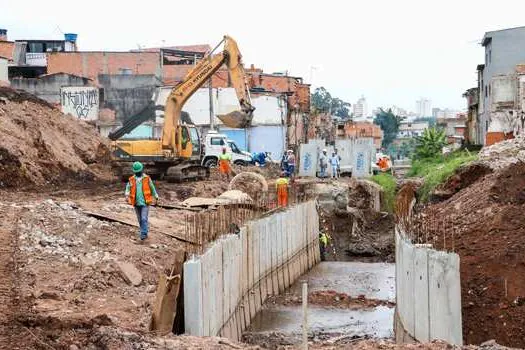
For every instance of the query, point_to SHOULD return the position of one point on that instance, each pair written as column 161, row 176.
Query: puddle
column 374, row 323
column 276, row 323
column 373, row 280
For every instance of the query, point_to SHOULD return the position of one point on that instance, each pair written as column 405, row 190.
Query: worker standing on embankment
column 140, row 193
column 224, row 163
column 290, row 158
column 281, row 186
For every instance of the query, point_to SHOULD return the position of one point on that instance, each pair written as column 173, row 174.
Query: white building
column 361, row 108
column 424, row 107
column 409, row 129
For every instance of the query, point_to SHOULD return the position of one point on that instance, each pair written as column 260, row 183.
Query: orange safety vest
column 146, row 190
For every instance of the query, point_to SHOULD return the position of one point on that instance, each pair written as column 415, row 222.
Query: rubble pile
column 40, row 145
column 505, row 153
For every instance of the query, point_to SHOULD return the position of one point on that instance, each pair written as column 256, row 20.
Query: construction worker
column 334, row 162
column 281, row 186
column 324, row 240
column 140, row 193
column 290, row 159
column 224, row 163
column 323, row 163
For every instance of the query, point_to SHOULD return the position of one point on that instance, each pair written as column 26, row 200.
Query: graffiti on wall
column 81, row 102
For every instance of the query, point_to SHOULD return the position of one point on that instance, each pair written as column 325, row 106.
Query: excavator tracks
column 186, row 172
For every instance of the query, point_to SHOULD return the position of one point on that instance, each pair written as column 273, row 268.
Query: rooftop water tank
column 72, row 37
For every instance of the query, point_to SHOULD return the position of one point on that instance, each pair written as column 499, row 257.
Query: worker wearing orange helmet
column 224, row 163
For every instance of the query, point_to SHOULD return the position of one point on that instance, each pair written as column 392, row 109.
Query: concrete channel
column 372, row 285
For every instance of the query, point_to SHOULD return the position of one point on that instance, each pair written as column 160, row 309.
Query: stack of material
column 40, row 145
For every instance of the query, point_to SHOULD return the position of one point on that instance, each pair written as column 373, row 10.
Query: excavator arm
column 195, row 79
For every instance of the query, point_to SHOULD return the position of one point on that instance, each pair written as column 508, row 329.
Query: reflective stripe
column 146, row 190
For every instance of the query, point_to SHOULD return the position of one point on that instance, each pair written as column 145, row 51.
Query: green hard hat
column 137, row 167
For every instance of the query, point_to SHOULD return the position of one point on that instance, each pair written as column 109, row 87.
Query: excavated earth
column 485, row 212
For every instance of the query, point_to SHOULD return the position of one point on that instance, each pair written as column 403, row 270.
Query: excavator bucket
column 236, row 119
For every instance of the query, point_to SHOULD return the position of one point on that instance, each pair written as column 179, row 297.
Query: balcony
column 36, row 59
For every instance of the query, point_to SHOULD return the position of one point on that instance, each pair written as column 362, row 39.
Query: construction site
column 195, row 202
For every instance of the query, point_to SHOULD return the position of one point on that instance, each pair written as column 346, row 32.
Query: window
column 234, row 147
column 35, row 47
column 486, row 92
column 217, row 141
column 490, row 56
column 486, row 125
column 490, row 90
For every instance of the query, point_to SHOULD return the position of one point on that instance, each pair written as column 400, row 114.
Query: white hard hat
column 290, row 151
column 324, row 149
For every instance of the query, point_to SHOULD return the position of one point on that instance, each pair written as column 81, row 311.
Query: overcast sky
column 390, row 51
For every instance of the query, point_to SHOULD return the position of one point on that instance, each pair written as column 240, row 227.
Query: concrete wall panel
column 421, row 313
column 227, row 276
column 428, row 293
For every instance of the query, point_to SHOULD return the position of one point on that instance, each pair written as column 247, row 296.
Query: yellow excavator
column 177, row 155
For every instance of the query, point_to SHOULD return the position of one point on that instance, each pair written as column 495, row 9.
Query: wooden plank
column 168, row 289
column 133, row 224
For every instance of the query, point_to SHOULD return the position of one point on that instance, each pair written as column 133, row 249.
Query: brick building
column 352, row 130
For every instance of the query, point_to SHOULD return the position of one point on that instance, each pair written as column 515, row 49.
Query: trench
column 351, row 296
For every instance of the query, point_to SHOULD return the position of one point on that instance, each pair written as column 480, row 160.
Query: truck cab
column 213, row 145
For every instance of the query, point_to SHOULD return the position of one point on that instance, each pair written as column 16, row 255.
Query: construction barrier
column 428, row 293
column 227, row 285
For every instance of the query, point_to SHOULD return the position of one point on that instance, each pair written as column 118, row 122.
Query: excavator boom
column 195, row 79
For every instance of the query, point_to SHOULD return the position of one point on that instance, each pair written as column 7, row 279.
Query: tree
column 322, row 101
column 389, row 123
column 430, row 144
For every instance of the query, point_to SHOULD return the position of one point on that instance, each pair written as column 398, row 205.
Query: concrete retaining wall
column 428, row 293
column 226, row 286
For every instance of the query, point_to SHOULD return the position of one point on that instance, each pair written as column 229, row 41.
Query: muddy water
column 276, row 321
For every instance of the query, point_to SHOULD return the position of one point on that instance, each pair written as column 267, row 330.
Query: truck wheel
column 240, row 162
column 211, row 163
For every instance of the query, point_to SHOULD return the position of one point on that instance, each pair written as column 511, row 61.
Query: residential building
column 424, row 107
column 503, row 54
column 455, row 127
column 354, row 130
column 472, row 136
column 410, row 130
column 361, row 108
column 4, row 79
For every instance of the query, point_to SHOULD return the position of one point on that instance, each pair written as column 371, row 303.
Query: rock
column 130, row 273
column 73, row 347
column 154, row 246
column 151, row 288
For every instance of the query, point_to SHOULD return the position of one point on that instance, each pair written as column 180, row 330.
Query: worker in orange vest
column 282, row 190
column 141, row 193
column 225, row 159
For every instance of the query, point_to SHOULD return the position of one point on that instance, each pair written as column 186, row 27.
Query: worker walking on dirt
column 224, row 163
column 281, row 186
column 140, row 193
column 323, row 163
column 334, row 162
column 324, row 240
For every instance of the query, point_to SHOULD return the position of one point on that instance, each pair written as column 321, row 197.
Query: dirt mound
column 511, row 187
column 251, row 183
column 489, row 225
column 41, row 145
column 464, row 177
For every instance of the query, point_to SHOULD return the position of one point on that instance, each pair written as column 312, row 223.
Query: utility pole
column 210, row 91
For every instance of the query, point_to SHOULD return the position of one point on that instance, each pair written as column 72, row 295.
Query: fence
column 207, row 225
column 231, row 280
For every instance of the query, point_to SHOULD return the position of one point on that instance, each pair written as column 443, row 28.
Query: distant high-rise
column 361, row 108
column 424, row 107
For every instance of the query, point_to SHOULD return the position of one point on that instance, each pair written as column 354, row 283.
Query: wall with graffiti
column 81, row 102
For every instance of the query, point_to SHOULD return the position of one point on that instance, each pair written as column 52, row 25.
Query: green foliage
column 437, row 170
column 389, row 123
column 323, row 101
column 430, row 144
column 388, row 183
